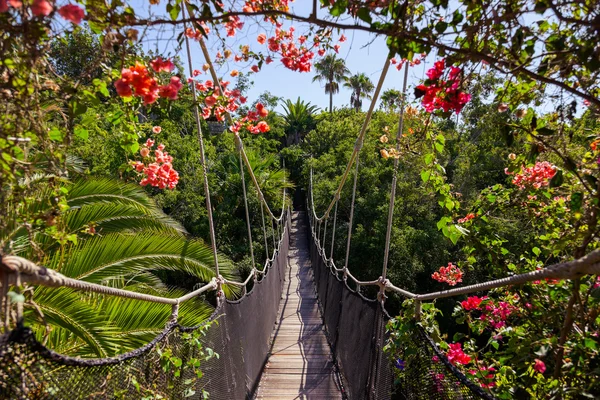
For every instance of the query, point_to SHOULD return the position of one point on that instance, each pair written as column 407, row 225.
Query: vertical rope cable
column 273, row 220
column 351, row 215
column 333, row 231
column 388, row 233
column 242, row 174
column 262, row 214
column 325, row 236
column 211, row 225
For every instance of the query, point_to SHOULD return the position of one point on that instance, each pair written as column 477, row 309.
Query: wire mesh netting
column 356, row 330
column 168, row 367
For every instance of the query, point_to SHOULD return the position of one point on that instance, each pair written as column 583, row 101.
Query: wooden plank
column 300, row 365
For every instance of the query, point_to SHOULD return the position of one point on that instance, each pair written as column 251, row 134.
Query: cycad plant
column 299, row 118
column 110, row 233
column 331, row 70
column 361, row 86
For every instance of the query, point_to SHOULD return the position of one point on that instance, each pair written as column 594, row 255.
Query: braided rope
column 586, row 265
column 32, row 273
column 242, row 174
column 211, row 225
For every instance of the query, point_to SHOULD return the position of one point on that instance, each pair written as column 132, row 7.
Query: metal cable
column 211, row 226
column 388, row 233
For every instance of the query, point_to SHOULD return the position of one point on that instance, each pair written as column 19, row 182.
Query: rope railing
column 12, row 267
column 586, row 265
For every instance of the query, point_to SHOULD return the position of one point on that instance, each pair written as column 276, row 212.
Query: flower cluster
column 493, row 313
column 537, row 176
column 415, row 61
column 43, row 8
column 159, row 173
column 466, row 218
column 138, row 81
column 456, row 355
column 439, row 93
column 263, row 5
column 296, row 58
column 450, row 274
column 247, row 122
column 217, row 103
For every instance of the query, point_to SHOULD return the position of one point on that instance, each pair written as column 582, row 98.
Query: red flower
column 262, row 111
column 72, row 13
column 456, row 354
column 123, row 88
column 466, row 218
column 41, row 8
column 471, row 303
column 160, row 65
column 3, row 6
column 537, row 176
column 254, row 68
column 262, row 38
column 450, row 274
column 539, row 366
column 263, row 127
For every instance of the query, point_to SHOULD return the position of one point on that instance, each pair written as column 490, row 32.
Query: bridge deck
column 300, row 364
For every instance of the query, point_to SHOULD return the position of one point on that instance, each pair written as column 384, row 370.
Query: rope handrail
column 17, row 270
column 586, row 265
column 28, row 271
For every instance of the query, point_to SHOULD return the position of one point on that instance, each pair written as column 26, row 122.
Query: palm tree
column 390, row 99
column 112, row 234
column 361, row 86
column 331, row 70
column 299, row 118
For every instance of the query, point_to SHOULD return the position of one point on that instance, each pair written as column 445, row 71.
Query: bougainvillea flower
column 262, row 38
column 41, row 8
column 160, row 65
column 72, row 12
column 262, row 111
column 539, row 366
column 456, row 354
column 472, row 303
column 450, row 274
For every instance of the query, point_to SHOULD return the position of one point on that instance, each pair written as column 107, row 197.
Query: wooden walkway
column 300, row 364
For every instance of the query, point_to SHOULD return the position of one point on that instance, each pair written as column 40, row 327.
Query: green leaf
column 425, row 175
column 365, row 15
column 545, row 131
column 441, row 26
column 536, row 251
column 576, row 201
column 56, row 135
column 557, row 179
column 81, row 132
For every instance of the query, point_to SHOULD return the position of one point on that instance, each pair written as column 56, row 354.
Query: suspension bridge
column 303, row 331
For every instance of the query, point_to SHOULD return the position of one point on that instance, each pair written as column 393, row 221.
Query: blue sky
column 362, row 52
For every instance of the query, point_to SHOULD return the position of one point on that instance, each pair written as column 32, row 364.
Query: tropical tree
column 361, row 86
column 109, row 233
column 331, row 70
column 390, row 99
column 299, row 118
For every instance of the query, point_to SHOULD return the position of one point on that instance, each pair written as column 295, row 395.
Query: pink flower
column 456, row 354
column 144, row 151
column 160, row 65
column 472, row 303
column 156, row 129
column 3, row 6
column 450, row 274
column 72, row 12
column 262, row 38
column 539, row 366
column 196, row 72
column 342, row 39
column 41, row 8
